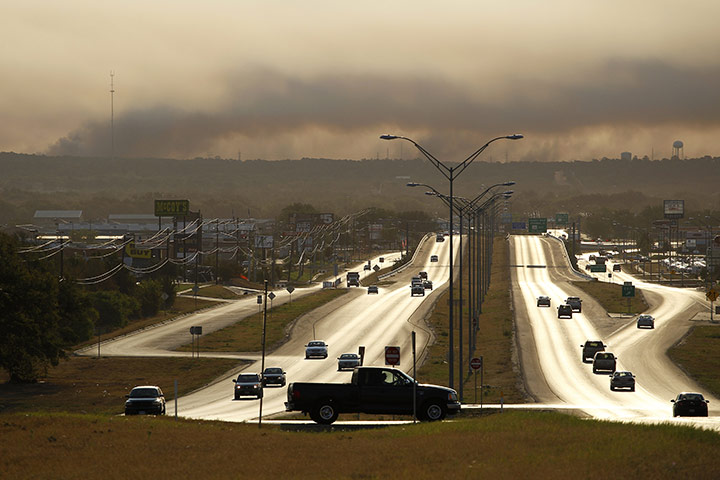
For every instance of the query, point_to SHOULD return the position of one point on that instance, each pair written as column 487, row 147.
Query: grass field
column 246, row 335
column 609, row 296
column 515, row 445
column 699, row 355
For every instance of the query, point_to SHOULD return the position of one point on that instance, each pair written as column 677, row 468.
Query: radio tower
column 112, row 116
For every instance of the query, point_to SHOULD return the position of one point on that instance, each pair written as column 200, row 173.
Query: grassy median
column 609, row 296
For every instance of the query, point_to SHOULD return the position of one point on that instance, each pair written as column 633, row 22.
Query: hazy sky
column 278, row 79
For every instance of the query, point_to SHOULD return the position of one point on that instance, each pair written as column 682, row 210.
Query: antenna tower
column 112, row 116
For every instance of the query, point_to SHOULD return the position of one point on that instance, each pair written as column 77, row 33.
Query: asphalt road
column 356, row 319
column 550, row 347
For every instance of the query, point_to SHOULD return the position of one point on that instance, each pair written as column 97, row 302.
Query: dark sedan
column 145, row 399
column 688, row 404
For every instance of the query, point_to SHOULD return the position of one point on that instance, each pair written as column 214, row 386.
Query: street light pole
column 451, row 173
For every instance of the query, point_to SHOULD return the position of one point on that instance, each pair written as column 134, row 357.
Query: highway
column 550, row 347
column 350, row 321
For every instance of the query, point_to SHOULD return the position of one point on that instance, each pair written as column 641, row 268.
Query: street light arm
column 447, row 172
column 465, row 163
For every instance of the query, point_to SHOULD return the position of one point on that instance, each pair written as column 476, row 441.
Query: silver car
column 348, row 361
column 622, row 380
column 316, row 348
column 645, row 321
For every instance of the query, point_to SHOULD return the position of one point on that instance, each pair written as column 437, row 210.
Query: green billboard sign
column 562, row 219
column 598, row 268
column 171, row 208
column 537, row 225
column 628, row 290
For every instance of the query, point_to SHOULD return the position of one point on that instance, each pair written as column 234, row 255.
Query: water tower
column 678, row 151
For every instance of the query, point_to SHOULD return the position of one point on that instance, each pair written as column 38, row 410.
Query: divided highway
column 550, row 347
column 355, row 319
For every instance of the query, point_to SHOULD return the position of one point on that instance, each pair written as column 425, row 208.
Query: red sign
column 392, row 356
column 476, row 363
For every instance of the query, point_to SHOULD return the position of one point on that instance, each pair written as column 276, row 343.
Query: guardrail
column 407, row 264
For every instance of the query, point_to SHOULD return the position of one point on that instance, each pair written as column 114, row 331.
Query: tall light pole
column 451, row 173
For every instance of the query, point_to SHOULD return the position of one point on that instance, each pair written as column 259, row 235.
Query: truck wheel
column 324, row 413
column 433, row 411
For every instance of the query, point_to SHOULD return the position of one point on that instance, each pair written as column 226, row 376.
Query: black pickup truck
column 372, row 390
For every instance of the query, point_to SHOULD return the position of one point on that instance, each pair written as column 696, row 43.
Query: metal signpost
column 476, row 364
column 195, row 331
column 415, row 379
column 711, row 295
column 628, row 291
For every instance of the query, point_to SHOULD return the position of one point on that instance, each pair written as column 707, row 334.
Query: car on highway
column 622, row 380
column 605, row 362
column 366, row 267
column 273, row 376
column 433, row 258
column 373, row 289
column 646, row 321
column 145, row 399
column 575, row 303
column 439, row 237
column 543, row 301
column 427, row 285
column 248, row 384
column 316, row 348
column 348, row 361
column 689, row 404
column 423, row 275
column 590, row 348
column 617, row 267
column 417, row 290
column 564, row 311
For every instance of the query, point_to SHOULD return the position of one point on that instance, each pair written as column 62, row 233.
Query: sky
column 281, row 79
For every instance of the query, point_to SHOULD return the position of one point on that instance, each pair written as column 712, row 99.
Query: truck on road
column 353, row 279
column 374, row 390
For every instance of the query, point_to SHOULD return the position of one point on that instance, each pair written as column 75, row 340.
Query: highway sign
column 376, row 268
column 628, row 290
column 562, row 219
column 271, row 296
column 392, row 356
column 598, row 268
column 259, row 299
column 195, row 330
column 518, row 225
column 290, row 289
column 537, row 225
column 711, row 295
column 476, row 363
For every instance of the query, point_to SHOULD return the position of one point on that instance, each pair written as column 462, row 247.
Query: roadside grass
column 246, row 335
column 215, row 291
column 509, row 445
column 181, row 306
column 698, row 353
column 99, row 385
column 609, row 296
column 493, row 341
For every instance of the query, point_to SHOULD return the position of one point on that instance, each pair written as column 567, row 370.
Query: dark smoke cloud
column 265, row 104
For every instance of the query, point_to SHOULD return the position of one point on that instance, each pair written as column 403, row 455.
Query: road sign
column 562, row 218
column 476, row 363
column 537, row 225
column 376, row 268
column 271, row 296
column 259, row 299
column 392, row 356
column 195, row 330
column 598, row 268
column 290, row 289
column 628, row 290
column 711, row 295
column 518, row 225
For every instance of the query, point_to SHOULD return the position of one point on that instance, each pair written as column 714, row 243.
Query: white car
column 645, row 321
column 348, row 360
column 316, row 348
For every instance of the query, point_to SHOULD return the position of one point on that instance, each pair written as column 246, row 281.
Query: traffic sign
column 195, row 330
column 290, row 289
column 537, row 225
column 628, row 290
column 271, row 296
column 392, row 356
column 376, row 268
column 259, row 299
column 562, row 219
column 711, row 295
column 476, row 363
column 598, row 268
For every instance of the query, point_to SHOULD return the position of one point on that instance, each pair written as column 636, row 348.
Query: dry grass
column 699, row 355
column 246, row 335
column 494, row 339
column 217, row 291
column 99, row 385
column 509, row 445
column 609, row 296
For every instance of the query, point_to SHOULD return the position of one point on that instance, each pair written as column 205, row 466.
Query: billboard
column 263, row 241
column 674, row 208
column 171, row 208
